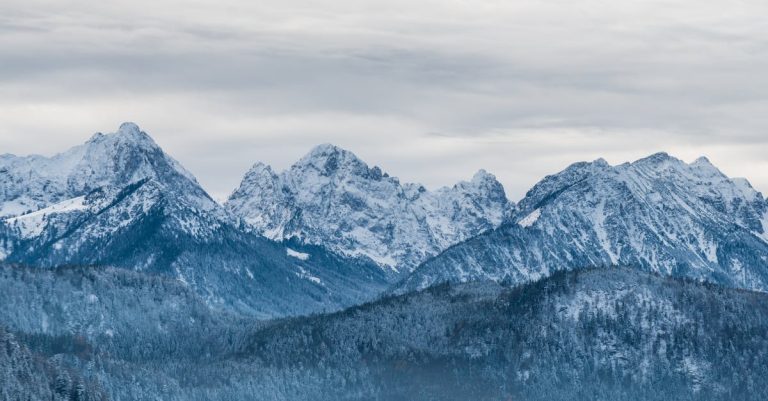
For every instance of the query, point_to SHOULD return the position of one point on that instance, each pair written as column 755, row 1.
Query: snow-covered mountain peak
column 119, row 200
column 330, row 197
column 699, row 181
column 260, row 168
column 483, row 177
column 705, row 169
column 129, row 128
column 483, row 188
column 657, row 159
column 652, row 177
column 658, row 213
column 331, row 160
column 127, row 134
column 258, row 174
column 324, row 150
column 702, row 161
column 95, row 137
column 663, row 165
column 551, row 184
column 126, row 156
column 105, row 160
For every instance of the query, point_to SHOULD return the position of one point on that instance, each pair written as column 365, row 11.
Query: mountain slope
column 331, row 197
column 598, row 334
column 119, row 200
column 658, row 214
column 29, row 376
column 31, row 183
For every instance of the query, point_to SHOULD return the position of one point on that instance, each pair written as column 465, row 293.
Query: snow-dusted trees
column 597, row 334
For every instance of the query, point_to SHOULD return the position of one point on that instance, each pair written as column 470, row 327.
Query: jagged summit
column 326, row 150
column 663, row 160
column 659, row 179
column 656, row 158
column 259, row 168
column 119, row 200
column 331, row 160
column 105, row 160
column 129, row 128
column 332, row 198
column 117, row 177
column 258, row 172
column 657, row 213
column 702, row 160
column 127, row 132
column 323, row 153
column 482, row 176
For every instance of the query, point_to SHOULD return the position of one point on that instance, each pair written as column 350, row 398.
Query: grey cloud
column 429, row 90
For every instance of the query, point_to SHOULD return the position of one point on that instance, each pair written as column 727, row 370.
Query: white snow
column 710, row 249
column 37, row 182
column 598, row 217
column 61, row 207
column 296, row 254
column 696, row 370
column 32, row 224
column 180, row 276
column 381, row 260
column 530, row 219
column 593, row 302
column 305, row 275
column 764, row 222
column 738, row 271
column 16, row 207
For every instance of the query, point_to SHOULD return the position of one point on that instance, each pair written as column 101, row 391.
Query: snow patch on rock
column 296, row 254
column 304, row 274
column 530, row 219
column 32, row 224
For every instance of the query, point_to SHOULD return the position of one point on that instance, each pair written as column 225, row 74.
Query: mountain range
column 332, row 198
column 330, row 231
column 119, row 200
column 657, row 214
column 326, row 234
column 123, row 279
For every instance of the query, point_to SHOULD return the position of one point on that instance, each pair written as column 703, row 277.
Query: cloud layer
column 429, row 90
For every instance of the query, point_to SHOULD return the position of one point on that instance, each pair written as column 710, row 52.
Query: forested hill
column 601, row 334
column 604, row 334
column 26, row 375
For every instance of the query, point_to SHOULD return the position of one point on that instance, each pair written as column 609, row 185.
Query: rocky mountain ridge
column 330, row 197
column 658, row 214
column 120, row 200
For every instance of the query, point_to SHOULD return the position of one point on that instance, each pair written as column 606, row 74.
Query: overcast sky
column 429, row 90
